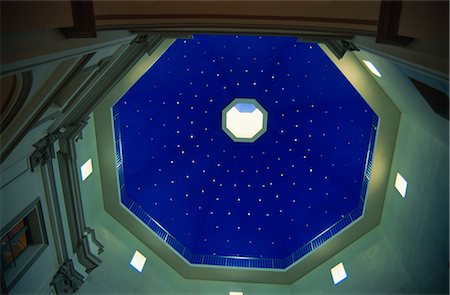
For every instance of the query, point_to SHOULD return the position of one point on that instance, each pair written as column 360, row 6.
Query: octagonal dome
column 244, row 120
column 220, row 202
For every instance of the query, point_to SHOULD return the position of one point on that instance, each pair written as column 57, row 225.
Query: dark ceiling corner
column 338, row 45
column 388, row 22
column 437, row 99
column 83, row 20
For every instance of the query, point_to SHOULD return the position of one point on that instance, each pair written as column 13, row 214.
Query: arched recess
column 14, row 93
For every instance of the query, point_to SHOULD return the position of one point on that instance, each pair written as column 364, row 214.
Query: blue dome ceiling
column 305, row 177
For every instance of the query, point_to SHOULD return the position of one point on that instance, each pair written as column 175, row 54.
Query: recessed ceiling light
column 236, row 293
column 372, row 68
column 401, row 184
column 86, row 169
column 338, row 273
column 138, row 261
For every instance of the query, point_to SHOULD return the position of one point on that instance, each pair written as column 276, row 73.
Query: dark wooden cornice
column 83, row 20
column 388, row 23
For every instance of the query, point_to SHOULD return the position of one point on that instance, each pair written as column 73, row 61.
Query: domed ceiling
column 261, row 203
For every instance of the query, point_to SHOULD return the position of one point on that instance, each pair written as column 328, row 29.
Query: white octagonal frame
column 229, row 129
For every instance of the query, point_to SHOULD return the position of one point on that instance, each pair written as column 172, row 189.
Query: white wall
column 19, row 188
column 417, row 227
column 408, row 252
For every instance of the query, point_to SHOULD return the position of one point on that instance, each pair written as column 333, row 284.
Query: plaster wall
column 19, row 188
column 417, row 227
column 407, row 253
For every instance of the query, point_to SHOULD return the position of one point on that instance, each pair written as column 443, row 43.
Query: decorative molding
column 70, row 180
column 16, row 99
column 388, row 23
column 67, row 280
column 80, row 235
column 174, row 35
column 10, row 87
column 25, row 120
column 338, row 45
column 83, row 20
column 171, row 30
column 147, row 42
column 67, row 131
column 170, row 24
column 236, row 17
column 100, row 246
column 44, row 151
column 54, row 210
column 109, row 73
column 85, row 256
column 89, row 47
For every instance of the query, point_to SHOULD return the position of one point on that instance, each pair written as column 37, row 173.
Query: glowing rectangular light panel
column 86, row 169
column 138, row 261
column 235, row 293
column 401, row 185
column 372, row 68
column 338, row 273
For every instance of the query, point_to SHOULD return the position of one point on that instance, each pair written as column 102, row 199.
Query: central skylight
column 244, row 120
column 225, row 202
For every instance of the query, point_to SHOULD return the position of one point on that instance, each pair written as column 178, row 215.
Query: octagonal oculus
column 264, row 205
column 244, row 120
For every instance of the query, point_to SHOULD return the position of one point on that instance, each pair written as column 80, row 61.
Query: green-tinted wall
column 406, row 253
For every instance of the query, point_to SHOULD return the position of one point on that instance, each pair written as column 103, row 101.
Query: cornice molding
column 16, row 98
column 67, row 280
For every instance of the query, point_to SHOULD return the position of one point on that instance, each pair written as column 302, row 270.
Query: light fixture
column 235, row 293
column 372, row 68
column 138, row 261
column 401, row 184
column 86, row 170
column 338, row 273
